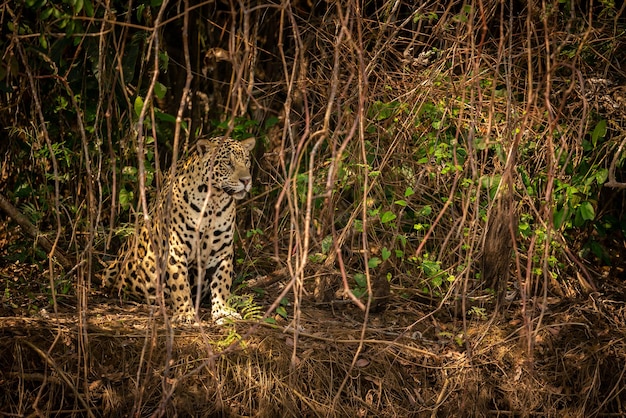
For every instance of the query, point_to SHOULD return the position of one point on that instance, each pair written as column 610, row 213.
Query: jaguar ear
column 249, row 143
column 205, row 146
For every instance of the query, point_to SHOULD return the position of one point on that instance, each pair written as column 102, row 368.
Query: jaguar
column 188, row 248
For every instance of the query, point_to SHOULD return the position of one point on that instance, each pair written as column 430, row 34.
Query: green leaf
column 426, row 210
column 436, row 281
column 164, row 117
column 282, row 311
column 587, row 212
column 387, row 217
column 88, row 8
column 430, row 268
column 409, row 192
column 419, row 227
column 46, row 13
column 126, row 198
column 140, row 10
column 78, row 6
column 374, row 262
column 559, row 217
column 385, row 253
column 138, row 105
column 401, row 203
column 602, row 175
column 360, row 280
column 327, row 244
column 164, row 60
column 598, row 132
column 159, row 90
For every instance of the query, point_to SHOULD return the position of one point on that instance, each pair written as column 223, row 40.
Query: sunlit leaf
column 126, row 198
column 602, row 175
column 430, row 268
column 138, row 105
column 387, row 217
column 426, row 210
column 282, row 311
column 374, row 262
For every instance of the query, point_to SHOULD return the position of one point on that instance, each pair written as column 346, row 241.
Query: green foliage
column 430, row 16
column 387, row 217
column 86, row 77
column 232, row 338
column 379, row 111
column 478, row 313
column 241, row 127
column 360, row 289
column 281, row 311
column 282, row 308
column 437, row 277
column 246, row 306
column 59, row 16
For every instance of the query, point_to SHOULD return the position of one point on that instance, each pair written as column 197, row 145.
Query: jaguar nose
column 246, row 181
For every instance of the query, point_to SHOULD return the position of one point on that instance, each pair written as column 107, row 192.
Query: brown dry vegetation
column 462, row 162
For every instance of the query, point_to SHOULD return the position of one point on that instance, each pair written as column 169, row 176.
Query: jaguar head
column 231, row 164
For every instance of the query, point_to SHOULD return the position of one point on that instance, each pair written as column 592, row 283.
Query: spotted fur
column 195, row 233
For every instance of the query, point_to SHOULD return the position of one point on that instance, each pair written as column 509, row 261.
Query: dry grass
column 410, row 364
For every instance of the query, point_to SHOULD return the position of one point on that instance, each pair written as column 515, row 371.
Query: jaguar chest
column 201, row 222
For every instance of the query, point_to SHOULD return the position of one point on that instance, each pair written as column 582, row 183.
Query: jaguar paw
column 224, row 316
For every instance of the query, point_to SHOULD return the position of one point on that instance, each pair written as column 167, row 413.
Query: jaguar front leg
column 177, row 283
column 221, row 279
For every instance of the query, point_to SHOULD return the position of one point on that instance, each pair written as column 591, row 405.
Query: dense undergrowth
column 467, row 155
